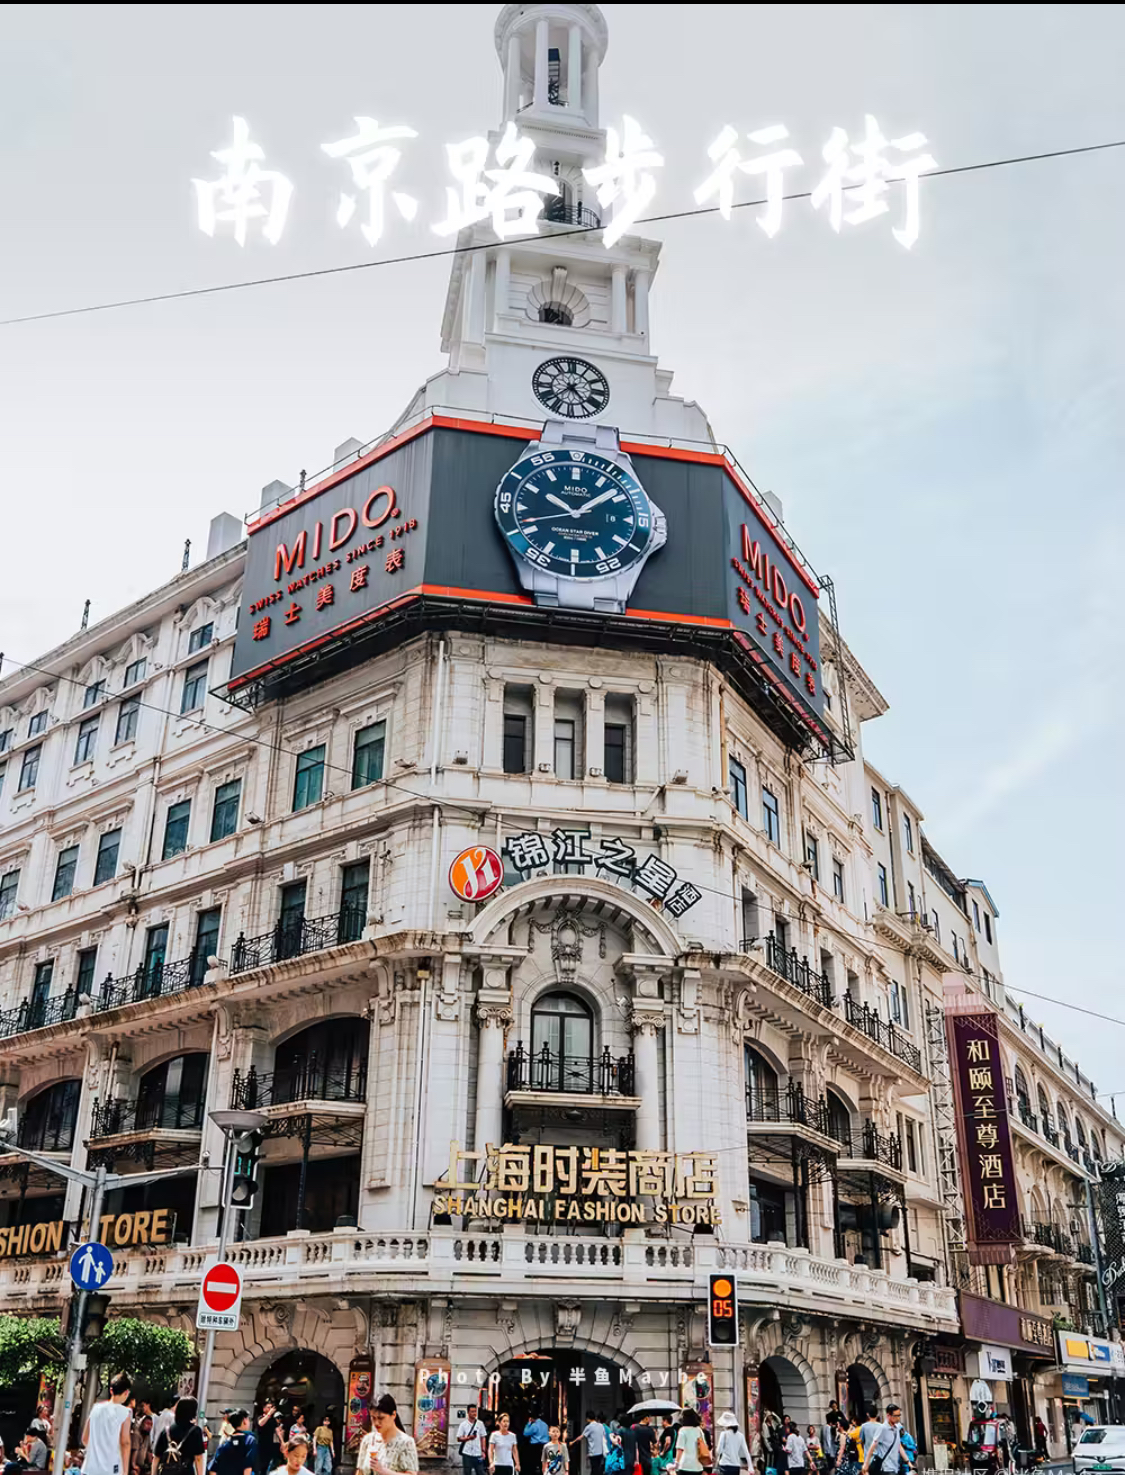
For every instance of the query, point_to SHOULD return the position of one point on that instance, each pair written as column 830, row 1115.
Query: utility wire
column 447, row 251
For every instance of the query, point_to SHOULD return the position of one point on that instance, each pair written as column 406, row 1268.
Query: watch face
column 571, row 388
column 574, row 513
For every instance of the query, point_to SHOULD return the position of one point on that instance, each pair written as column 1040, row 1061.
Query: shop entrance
column 863, row 1391
column 560, row 1386
column 783, row 1391
column 307, row 1382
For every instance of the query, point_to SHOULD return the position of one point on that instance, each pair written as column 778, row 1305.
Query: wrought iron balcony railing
column 293, row 937
column 559, row 212
column 54, row 1134
column 864, row 1018
column 38, row 1014
column 872, row 1146
column 1026, row 1115
column 1050, row 1133
column 1084, row 1253
column 153, row 980
column 798, row 971
column 306, row 1079
column 168, row 1113
column 582, row 1075
column 768, row 1104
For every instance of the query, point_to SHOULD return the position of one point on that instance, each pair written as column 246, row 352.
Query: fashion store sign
column 588, row 1185
column 118, row 1231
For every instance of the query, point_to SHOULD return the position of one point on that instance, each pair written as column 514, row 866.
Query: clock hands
column 586, row 506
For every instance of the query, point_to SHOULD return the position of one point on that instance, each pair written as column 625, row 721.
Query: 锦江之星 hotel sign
column 588, row 1185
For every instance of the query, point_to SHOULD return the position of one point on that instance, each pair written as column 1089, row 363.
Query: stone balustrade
column 351, row 1260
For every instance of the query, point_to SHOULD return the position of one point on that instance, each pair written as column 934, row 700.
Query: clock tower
column 556, row 325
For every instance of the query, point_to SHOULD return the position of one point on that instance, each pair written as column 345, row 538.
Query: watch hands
column 595, row 501
column 566, row 507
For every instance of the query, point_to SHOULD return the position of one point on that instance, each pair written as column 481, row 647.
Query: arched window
column 562, row 1042
column 1080, row 1131
column 1063, row 1124
column 1095, row 1145
column 762, row 1094
column 1023, row 1092
column 555, row 312
column 839, row 1119
column 1044, row 1108
column 50, row 1117
column 326, row 1062
column 173, row 1094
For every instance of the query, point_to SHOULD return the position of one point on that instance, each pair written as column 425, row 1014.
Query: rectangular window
column 877, row 809
column 40, row 993
column 911, row 900
column 87, row 740
column 515, row 742
column 87, row 971
column 156, row 949
column 37, row 724
column 290, row 920
column 751, row 920
column 195, row 687
column 224, row 815
column 812, row 856
column 937, row 926
column 905, row 997
column 771, row 816
column 911, row 1146
column 738, row 796
column 206, row 941
column 956, row 954
column 3, row 775
column 135, row 672
column 353, row 900
column 200, row 637
column 881, row 880
column 5, row 740
column 176, row 829
column 127, row 716
column 987, row 926
column 367, row 755
column 93, row 694
column 9, row 887
column 109, row 847
column 617, row 758
column 65, row 867
column 976, row 915
column 896, row 1004
column 908, row 833
column 308, row 784
column 838, row 879
column 564, row 747
column 29, row 769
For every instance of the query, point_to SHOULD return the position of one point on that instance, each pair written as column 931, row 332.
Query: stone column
column 574, row 69
column 618, row 320
column 502, row 285
column 590, row 91
column 494, row 1018
column 512, row 78
column 544, row 744
column 542, row 38
column 594, row 730
column 648, row 1081
column 475, row 316
column 641, row 280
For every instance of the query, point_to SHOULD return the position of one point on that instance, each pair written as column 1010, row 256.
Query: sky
column 943, row 426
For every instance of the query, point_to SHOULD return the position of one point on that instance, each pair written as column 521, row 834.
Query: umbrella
column 656, row 1406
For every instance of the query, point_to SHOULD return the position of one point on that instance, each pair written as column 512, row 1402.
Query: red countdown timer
column 476, row 873
column 722, row 1312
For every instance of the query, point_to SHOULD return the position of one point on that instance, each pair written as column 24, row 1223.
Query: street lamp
column 99, row 1183
column 233, row 1123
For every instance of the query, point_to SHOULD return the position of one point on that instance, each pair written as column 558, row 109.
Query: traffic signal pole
column 75, row 1357
column 226, row 1213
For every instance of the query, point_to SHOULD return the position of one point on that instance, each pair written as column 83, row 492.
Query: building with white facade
column 698, row 1026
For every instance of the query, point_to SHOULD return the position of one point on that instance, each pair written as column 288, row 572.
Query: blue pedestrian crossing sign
column 91, row 1266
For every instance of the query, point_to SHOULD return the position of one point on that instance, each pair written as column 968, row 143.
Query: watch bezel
column 504, row 508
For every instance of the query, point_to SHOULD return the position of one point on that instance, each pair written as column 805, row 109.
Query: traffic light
column 244, row 1181
column 94, row 1314
column 722, row 1312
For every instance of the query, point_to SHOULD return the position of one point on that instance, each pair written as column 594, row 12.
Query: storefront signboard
column 987, row 1167
column 1074, row 1385
column 653, row 878
column 1103, row 1357
column 590, row 1185
column 1111, row 1214
column 431, row 1408
column 1006, row 1326
column 116, row 1231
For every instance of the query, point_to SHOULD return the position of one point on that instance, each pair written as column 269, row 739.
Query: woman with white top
column 732, row 1450
column 692, row 1452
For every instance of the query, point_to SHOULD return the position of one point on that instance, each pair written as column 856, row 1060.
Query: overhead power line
column 447, row 251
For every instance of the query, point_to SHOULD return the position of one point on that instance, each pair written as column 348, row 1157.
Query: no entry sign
column 220, row 1298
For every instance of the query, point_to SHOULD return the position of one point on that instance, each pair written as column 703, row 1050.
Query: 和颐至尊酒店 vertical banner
column 985, row 1143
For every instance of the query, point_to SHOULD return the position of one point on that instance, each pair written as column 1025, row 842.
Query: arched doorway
column 561, row 1386
column 305, row 1381
column 863, row 1391
column 784, row 1390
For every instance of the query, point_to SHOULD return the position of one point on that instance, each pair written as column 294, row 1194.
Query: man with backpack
column 108, row 1436
column 237, row 1455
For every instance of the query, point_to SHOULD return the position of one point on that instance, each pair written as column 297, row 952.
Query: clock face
column 570, row 388
column 574, row 513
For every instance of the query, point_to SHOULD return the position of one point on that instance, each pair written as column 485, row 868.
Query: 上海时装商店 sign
column 590, row 1185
